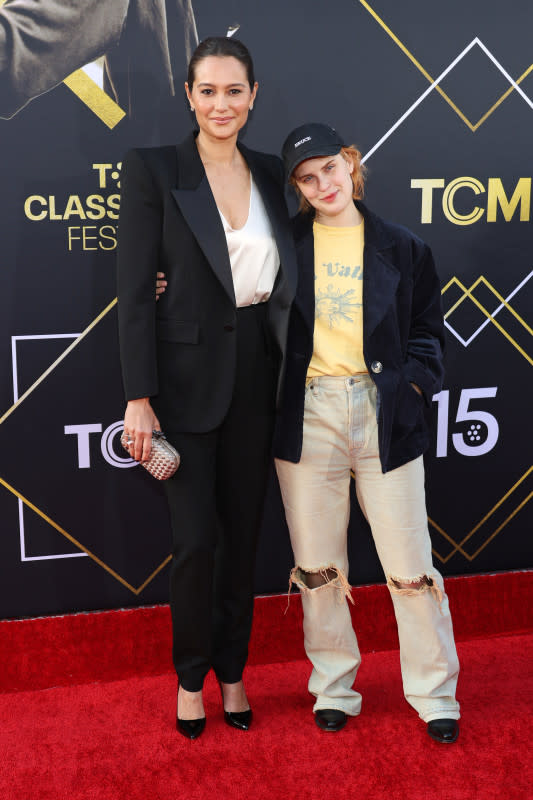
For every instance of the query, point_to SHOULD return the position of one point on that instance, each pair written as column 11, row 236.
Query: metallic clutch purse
column 164, row 459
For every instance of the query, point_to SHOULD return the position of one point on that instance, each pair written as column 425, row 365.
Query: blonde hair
column 352, row 155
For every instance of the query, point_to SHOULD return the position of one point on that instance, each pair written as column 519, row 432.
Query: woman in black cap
column 364, row 357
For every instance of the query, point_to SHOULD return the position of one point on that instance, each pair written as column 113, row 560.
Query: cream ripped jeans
column 340, row 434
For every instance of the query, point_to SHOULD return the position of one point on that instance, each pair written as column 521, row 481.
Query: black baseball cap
column 309, row 141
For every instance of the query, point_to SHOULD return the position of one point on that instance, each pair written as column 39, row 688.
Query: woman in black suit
column 206, row 362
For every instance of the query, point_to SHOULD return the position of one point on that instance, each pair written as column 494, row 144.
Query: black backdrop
column 439, row 98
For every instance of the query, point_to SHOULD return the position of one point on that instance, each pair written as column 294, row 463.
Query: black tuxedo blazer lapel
column 195, row 199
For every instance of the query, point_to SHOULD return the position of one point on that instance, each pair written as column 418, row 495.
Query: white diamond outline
column 432, row 86
column 14, row 361
column 492, row 316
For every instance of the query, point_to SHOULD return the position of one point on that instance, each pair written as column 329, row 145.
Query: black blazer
column 181, row 351
column 403, row 337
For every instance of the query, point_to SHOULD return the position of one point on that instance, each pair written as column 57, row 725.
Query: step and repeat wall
column 438, row 97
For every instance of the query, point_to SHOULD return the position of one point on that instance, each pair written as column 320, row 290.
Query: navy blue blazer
column 403, row 337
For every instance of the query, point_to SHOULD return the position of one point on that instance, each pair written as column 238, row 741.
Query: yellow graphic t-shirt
column 338, row 338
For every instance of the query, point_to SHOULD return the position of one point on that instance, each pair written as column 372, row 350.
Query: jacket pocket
column 408, row 405
column 170, row 330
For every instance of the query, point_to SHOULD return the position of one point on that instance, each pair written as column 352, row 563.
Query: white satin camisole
column 253, row 253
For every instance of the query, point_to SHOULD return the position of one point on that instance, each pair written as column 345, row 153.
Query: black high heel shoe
column 190, row 728
column 237, row 719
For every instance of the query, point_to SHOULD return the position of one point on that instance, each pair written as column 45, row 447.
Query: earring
column 192, row 108
column 252, row 107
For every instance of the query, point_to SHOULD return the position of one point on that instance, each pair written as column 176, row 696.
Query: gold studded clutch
column 164, row 459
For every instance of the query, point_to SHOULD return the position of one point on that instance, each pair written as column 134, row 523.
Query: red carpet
column 109, row 741
column 111, row 645
column 115, row 740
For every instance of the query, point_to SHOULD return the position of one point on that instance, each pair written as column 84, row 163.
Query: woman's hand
column 139, row 422
column 160, row 284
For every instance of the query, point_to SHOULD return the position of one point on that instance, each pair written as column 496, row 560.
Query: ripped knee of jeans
column 317, row 578
column 415, row 586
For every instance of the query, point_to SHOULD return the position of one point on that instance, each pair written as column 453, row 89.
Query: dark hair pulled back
column 221, row 46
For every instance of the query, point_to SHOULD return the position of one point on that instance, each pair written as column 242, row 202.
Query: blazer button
column 229, row 328
column 376, row 366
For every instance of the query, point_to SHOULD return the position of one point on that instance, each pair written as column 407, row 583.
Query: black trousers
column 216, row 503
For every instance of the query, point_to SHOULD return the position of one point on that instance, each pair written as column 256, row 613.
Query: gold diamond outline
column 468, row 293
column 473, row 126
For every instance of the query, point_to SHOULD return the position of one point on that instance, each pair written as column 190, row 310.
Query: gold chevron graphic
column 468, row 293
column 473, row 126
column 459, row 546
column 81, row 547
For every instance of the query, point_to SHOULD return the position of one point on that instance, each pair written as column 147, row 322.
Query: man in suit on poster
column 146, row 45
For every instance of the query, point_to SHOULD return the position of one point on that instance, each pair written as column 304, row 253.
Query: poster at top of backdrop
column 438, row 97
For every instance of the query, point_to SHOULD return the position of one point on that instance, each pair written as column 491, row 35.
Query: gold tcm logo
column 466, row 200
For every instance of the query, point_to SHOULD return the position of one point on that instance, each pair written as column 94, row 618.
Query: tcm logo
column 110, row 446
column 465, row 200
